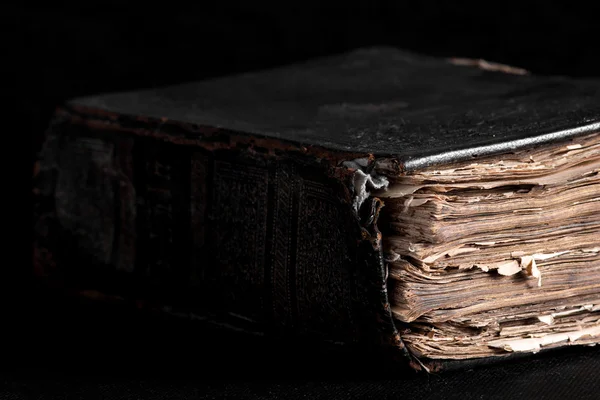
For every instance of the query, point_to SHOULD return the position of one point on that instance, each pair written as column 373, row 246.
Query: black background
column 85, row 47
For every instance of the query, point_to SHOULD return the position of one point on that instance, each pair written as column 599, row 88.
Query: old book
column 445, row 211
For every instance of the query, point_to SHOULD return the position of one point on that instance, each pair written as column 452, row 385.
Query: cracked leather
column 382, row 101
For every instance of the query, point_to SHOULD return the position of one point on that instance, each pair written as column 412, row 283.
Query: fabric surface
column 67, row 351
column 565, row 376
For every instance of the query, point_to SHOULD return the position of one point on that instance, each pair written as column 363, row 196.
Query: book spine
column 257, row 242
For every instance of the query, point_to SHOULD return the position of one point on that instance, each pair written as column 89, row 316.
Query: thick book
column 444, row 211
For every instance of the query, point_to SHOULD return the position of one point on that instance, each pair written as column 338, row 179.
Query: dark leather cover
column 233, row 201
column 381, row 101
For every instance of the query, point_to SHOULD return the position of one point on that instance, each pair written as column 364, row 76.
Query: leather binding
column 241, row 201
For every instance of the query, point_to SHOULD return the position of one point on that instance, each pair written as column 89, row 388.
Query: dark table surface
column 573, row 376
column 79, row 351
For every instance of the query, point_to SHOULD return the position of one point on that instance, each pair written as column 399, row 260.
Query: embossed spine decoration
column 238, row 226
